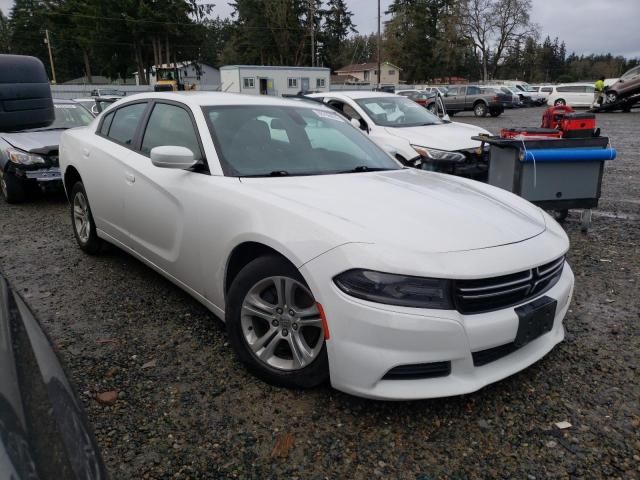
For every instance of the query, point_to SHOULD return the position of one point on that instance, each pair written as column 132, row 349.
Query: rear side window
column 106, row 123
column 572, row 89
column 473, row 90
column 170, row 125
column 125, row 122
column 547, row 89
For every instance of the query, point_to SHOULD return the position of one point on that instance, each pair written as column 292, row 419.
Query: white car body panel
column 573, row 99
column 186, row 225
column 450, row 136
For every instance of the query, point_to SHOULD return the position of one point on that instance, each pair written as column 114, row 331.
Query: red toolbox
column 530, row 133
column 578, row 125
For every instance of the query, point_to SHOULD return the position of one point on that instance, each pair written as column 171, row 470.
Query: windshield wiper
column 275, row 173
column 48, row 129
column 365, row 168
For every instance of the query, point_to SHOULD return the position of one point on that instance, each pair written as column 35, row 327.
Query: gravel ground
column 187, row 409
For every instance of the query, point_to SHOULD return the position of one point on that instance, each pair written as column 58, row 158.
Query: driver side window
column 170, row 125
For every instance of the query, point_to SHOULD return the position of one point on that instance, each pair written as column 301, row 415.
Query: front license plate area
column 534, row 319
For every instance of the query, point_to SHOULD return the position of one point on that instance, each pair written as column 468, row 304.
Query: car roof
column 579, row 84
column 355, row 94
column 202, row 99
column 63, row 100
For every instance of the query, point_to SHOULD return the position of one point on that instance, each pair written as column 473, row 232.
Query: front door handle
column 131, row 178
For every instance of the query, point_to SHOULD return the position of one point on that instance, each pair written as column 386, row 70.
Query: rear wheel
column 480, row 110
column 560, row 102
column 84, row 228
column 13, row 188
column 274, row 324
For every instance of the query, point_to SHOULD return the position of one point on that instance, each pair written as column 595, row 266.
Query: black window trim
column 136, row 134
column 145, row 123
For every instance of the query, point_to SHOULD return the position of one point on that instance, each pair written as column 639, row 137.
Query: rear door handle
column 130, row 178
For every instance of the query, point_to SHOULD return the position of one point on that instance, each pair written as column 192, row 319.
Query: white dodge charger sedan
column 326, row 258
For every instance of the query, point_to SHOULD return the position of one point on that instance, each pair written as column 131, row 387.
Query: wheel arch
column 243, row 254
column 71, row 176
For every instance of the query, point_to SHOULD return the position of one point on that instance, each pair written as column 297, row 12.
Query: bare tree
column 493, row 26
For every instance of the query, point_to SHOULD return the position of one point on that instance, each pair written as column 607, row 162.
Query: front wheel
column 13, row 189
column 612, row 97
column 560, row 103
column 495, row 113
column 84, row 228
column 480, row 110
column 274, row 324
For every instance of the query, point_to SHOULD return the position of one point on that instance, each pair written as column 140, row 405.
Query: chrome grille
column 484, row 295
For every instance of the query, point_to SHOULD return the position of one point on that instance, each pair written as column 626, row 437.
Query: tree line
column 427, row 39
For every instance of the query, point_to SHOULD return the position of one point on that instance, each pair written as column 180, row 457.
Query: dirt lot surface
column 187, row 409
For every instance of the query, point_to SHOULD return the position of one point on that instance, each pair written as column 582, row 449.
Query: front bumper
column 369, row 339
column 49, row 177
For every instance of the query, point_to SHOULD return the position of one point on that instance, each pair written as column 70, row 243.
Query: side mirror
column 356, row 123
column 25, row 95
column 446, row 117
column 171, row 156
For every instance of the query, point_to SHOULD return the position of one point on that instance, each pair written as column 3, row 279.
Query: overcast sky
column 586, row 26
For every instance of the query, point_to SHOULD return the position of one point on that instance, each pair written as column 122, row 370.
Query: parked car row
column 325, row 257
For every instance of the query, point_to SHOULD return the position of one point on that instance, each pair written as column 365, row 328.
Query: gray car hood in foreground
column 34, row 141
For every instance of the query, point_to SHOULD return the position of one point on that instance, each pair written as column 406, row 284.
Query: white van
column 572, row 94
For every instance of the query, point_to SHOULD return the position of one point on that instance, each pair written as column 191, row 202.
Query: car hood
column 447, row 136
column 38, row 142
column 408, row 209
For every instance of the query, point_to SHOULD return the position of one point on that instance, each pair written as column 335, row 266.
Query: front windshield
column 166, row 74
column 397, row 112
column 634, row 72
column 69, row 115
column 266, row 140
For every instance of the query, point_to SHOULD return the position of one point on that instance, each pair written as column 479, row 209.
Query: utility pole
column 53, row 70
column 379, row 72
column 313, row 33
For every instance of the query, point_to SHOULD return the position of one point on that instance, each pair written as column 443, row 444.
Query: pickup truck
column 472, row 98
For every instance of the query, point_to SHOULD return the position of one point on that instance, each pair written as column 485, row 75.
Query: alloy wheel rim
column 81, row 219
column 281, row 323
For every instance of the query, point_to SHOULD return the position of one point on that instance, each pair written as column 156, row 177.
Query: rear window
column 125, row 122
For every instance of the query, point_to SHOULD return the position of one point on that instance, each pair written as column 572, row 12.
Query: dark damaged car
column 29, row 158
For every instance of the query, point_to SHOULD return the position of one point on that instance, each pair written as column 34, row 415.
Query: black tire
column 12, row 187
column 480, row 109
column 89, row 241
column 495, row 113
column 263, row 268
column 559, row 102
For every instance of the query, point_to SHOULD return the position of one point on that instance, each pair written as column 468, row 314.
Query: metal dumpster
column 555, row 174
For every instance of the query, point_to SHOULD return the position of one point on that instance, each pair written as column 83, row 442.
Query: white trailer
column 273, row 80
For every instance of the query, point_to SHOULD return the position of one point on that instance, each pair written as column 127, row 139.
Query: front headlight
column 434, row 154
column 24, row 158
column 393, row 289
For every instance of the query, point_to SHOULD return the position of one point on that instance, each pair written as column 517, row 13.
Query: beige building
column 368, row 73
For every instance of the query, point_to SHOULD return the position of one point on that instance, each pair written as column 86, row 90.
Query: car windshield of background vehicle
column 397, row 112
column 68, row 115
column 269, row 140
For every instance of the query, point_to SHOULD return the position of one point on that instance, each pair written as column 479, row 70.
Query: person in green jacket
column 598, row 94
